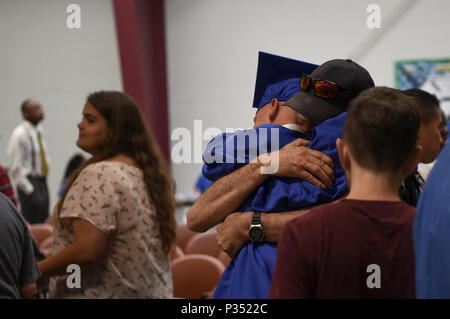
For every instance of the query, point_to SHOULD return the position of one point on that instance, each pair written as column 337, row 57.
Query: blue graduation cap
column 278, row 78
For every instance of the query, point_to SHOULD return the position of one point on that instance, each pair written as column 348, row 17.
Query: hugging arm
column 232, row 234
column 224, row 197
column 226, row 194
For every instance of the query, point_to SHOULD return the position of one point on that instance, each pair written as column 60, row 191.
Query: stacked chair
column 197, row 263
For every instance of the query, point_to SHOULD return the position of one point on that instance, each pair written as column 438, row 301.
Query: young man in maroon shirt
column 360, row 247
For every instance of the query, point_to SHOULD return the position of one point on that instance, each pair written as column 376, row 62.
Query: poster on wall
column 430, row 75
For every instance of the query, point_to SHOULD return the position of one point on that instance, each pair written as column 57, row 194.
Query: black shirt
column 411, row 188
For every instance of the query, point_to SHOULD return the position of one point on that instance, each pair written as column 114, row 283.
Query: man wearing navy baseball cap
column 328, row 90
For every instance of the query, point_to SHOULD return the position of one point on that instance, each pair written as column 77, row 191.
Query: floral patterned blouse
column 112, row 196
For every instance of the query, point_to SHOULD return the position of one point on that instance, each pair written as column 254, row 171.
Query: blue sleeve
column 217, row 161
column 285, row 194
column 202, row 183
column 431, row 235
column 324, row 140
column 228, row 152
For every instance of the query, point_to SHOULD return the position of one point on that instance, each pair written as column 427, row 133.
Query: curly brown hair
column 130, row 136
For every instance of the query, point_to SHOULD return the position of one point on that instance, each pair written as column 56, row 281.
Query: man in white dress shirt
column 29, row 162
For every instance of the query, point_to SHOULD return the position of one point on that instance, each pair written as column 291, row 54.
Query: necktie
column 43, row 160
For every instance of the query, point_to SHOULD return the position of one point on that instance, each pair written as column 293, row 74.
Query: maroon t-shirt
column 351, row 249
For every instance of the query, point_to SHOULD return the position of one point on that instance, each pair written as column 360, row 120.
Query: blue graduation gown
column 202, row 183
column 431, row 232
column 249, row 274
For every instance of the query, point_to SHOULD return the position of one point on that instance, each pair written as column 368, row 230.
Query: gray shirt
column 18, row 267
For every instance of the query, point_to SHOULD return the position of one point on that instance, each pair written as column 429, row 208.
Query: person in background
column 425, row 169
column 185, row 199
column 29, row 166
column 430, row 139
column 18, row 268
column 360, row 247
column 115, row 218
column 443, row 129
column 202, row 184
column 431, row 235
column 74, row 163
column 6, row 187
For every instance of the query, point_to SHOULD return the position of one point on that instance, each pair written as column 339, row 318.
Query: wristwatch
column 255, row 231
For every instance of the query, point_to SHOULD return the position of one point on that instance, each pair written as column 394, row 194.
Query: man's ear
column 344, row 156
column 26, row 114
column 261, row 116
column 412, row 161
column 274, row 108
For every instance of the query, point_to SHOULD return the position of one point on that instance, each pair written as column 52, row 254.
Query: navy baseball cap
column 278, row 78
column 346, row 74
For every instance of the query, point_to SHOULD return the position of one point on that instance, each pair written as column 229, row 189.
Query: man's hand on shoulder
column 297, row 160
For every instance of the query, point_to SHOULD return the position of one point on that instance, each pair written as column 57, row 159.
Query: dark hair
column 427, row 103
column 24, row 104
column 130, row 136
column 75, row 162
column 381, row 128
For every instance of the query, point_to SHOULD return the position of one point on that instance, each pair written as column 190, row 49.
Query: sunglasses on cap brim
column 323, row 88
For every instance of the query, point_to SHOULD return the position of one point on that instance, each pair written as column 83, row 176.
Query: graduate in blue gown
column 431, row 232
column 249, row 274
